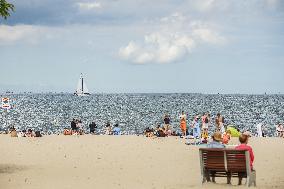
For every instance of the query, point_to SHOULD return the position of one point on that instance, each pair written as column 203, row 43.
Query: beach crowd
column 197, row 128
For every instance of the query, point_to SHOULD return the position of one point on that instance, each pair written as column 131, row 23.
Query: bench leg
column 252, row 178
column 229, row 178
column 240, row 176
column 213, row 176
column 248, row 181
column 203, row 179
column 206, row 176
column 203, row 176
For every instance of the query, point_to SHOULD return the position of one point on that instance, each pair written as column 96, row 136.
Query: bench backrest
column 229, row 160
column 236, row 160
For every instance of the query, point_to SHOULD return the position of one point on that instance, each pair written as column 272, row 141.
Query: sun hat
column 247, row 133
column 217, row 136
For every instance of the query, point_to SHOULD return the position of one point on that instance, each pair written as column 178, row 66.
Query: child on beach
column 226, row 137
column 204, row 137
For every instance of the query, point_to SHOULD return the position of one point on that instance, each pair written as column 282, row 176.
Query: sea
column 50, row 113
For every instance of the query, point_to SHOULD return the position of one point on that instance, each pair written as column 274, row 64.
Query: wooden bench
column 219, row 162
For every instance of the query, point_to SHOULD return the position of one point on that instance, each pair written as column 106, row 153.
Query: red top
column 247, row 147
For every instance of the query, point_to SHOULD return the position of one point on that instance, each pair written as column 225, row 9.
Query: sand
column 130, row 162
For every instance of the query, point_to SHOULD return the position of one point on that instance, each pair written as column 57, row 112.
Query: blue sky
column 206, row 46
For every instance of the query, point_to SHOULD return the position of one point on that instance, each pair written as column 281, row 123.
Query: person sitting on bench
column 243, row 138
column 216, row 143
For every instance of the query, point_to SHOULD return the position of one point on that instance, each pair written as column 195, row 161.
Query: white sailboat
column 82, row 89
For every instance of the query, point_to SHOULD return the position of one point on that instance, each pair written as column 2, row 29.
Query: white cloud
column 11, row 34
column 29, row 34
column 206, row 5
column 158, row 47
column 175, row 38
column 208, row 36
column 87, row 6
column 130, row 49
column 234, row 7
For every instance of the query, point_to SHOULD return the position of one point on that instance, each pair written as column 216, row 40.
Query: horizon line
column 96, row 93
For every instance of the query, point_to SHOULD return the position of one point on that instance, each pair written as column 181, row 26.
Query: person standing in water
column 182, row 118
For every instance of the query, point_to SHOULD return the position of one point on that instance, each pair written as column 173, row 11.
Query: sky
column 142, row 46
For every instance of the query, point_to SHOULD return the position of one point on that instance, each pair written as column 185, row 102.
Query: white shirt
column 259, row 130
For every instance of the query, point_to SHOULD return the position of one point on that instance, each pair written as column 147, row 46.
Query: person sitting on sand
column 30, row 133
column 204, row 137
column 243, row 138
column 108, row 130
column 13, row 132
column 149, row 132
column 226, row 137
column 38, row 134
column 22, row 133
column 67, row 131
column 159, row 132
column 280, row 130
column 156, row 130
column 174, row 133
column 168, row 132
column 92, row 127
column 116, row 130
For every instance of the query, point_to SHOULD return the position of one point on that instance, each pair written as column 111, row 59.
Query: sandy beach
column 68, row 162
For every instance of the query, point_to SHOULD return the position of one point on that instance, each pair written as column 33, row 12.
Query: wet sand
column 129, row 162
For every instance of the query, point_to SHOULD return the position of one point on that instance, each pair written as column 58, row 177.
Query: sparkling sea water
column 51, row 113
